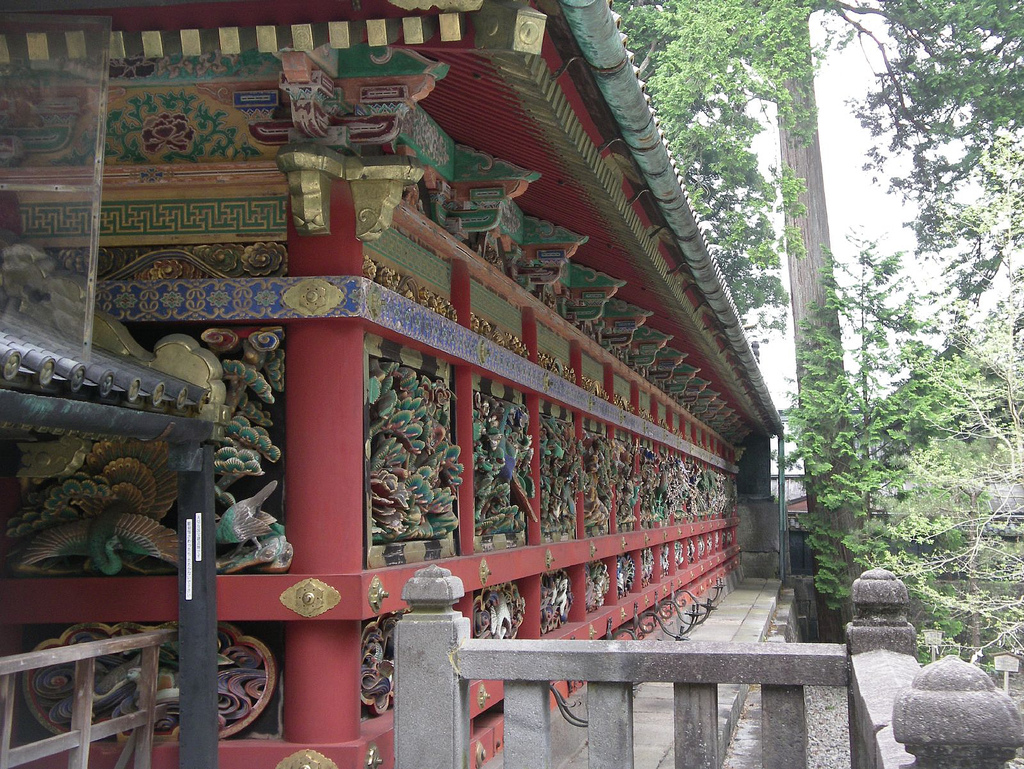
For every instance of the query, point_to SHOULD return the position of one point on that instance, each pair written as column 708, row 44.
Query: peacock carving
column 107, row 511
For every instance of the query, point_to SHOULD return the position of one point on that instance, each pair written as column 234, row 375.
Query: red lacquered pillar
column 460, row 298
column 529, row 323
column 325, row 485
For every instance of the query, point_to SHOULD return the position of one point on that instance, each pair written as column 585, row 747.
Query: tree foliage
column 856, row 421
column 946, row 92
column 956, row 537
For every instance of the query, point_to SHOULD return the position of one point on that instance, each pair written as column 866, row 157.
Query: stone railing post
column 954, row 717
column 880, row 605
column 431, row 699
column 882, row 646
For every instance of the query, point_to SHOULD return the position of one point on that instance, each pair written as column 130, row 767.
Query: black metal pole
column 197, row 608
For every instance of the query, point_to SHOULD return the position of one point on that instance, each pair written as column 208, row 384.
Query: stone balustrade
column 948, row 714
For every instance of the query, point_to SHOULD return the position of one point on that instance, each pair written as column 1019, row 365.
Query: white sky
column 856, row 205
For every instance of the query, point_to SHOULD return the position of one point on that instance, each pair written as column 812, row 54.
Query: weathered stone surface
column 877, row 594
column 875, row 679
column 953, row 716
column 432, row 589
column 880, row 604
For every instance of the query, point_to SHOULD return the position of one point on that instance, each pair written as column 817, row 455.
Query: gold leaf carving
column 310, row 598
column 312, row 297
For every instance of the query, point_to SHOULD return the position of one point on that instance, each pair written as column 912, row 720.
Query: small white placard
column 1006, row 663
column 199, row 537
column 188, row 561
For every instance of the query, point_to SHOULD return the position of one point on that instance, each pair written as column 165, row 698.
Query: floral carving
column 625, row 574
column 502, row 482
column 376, row 683
column 597, row 483
column 498, row 612
column 646, row 566
column 167, row 132
column 626, row 486
column 555, row 600
column 598, row 583
column 414, row 467
column 561, row 467
column 246, row 679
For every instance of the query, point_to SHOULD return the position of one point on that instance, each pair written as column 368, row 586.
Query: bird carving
column 104, row 537
column 245, row 520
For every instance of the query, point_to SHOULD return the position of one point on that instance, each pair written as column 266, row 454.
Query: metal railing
column 890, row 701
column 83, row 731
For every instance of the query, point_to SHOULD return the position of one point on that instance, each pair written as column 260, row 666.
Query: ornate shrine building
column 376, row 283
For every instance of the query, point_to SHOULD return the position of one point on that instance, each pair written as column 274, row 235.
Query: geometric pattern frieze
column 263, row 218
column 261, row 300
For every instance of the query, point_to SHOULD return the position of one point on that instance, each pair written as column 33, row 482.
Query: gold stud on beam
column 38, row 47
column 451, row 27
column 302, row 37
column 230, row 40
column 191, row 43
column 339, row 34
column 74, row 39
column 117, row 45
column 152, row 45
column 266, row 39
column 381, row 32
column 417, row 30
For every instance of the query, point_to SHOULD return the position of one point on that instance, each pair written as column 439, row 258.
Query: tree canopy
column 947, row 90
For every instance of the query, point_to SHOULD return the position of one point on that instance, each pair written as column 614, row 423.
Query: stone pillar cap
column 879, row 589
column 951, row 703
column 432, row 589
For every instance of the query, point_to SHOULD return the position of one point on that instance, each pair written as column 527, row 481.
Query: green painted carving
column 248, row 65
column 598, row 480
column 619, row 321
column 414, row 467
column 560, row 468
column 431, row 144
column 597, row 584
column 474, row 166
column 652, row 490
column 253, row 364
column 627, row 489
column 361, row 61
column 540, row 232
column 102, row 515
column 502, row 452
column 173, row 125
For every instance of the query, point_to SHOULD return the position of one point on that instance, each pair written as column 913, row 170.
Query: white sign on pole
column 1007, row 663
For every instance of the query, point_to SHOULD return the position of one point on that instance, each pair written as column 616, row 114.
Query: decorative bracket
column 310, row 598
column 485, row 572
column 310, row 170
column 377, row 191
column 377, row 186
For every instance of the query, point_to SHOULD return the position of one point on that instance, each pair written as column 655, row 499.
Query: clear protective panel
column 53, row 108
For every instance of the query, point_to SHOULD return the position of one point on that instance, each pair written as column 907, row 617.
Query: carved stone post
column 431, row 699
column 880, row 603
column 882, row 645
column 954, row 717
